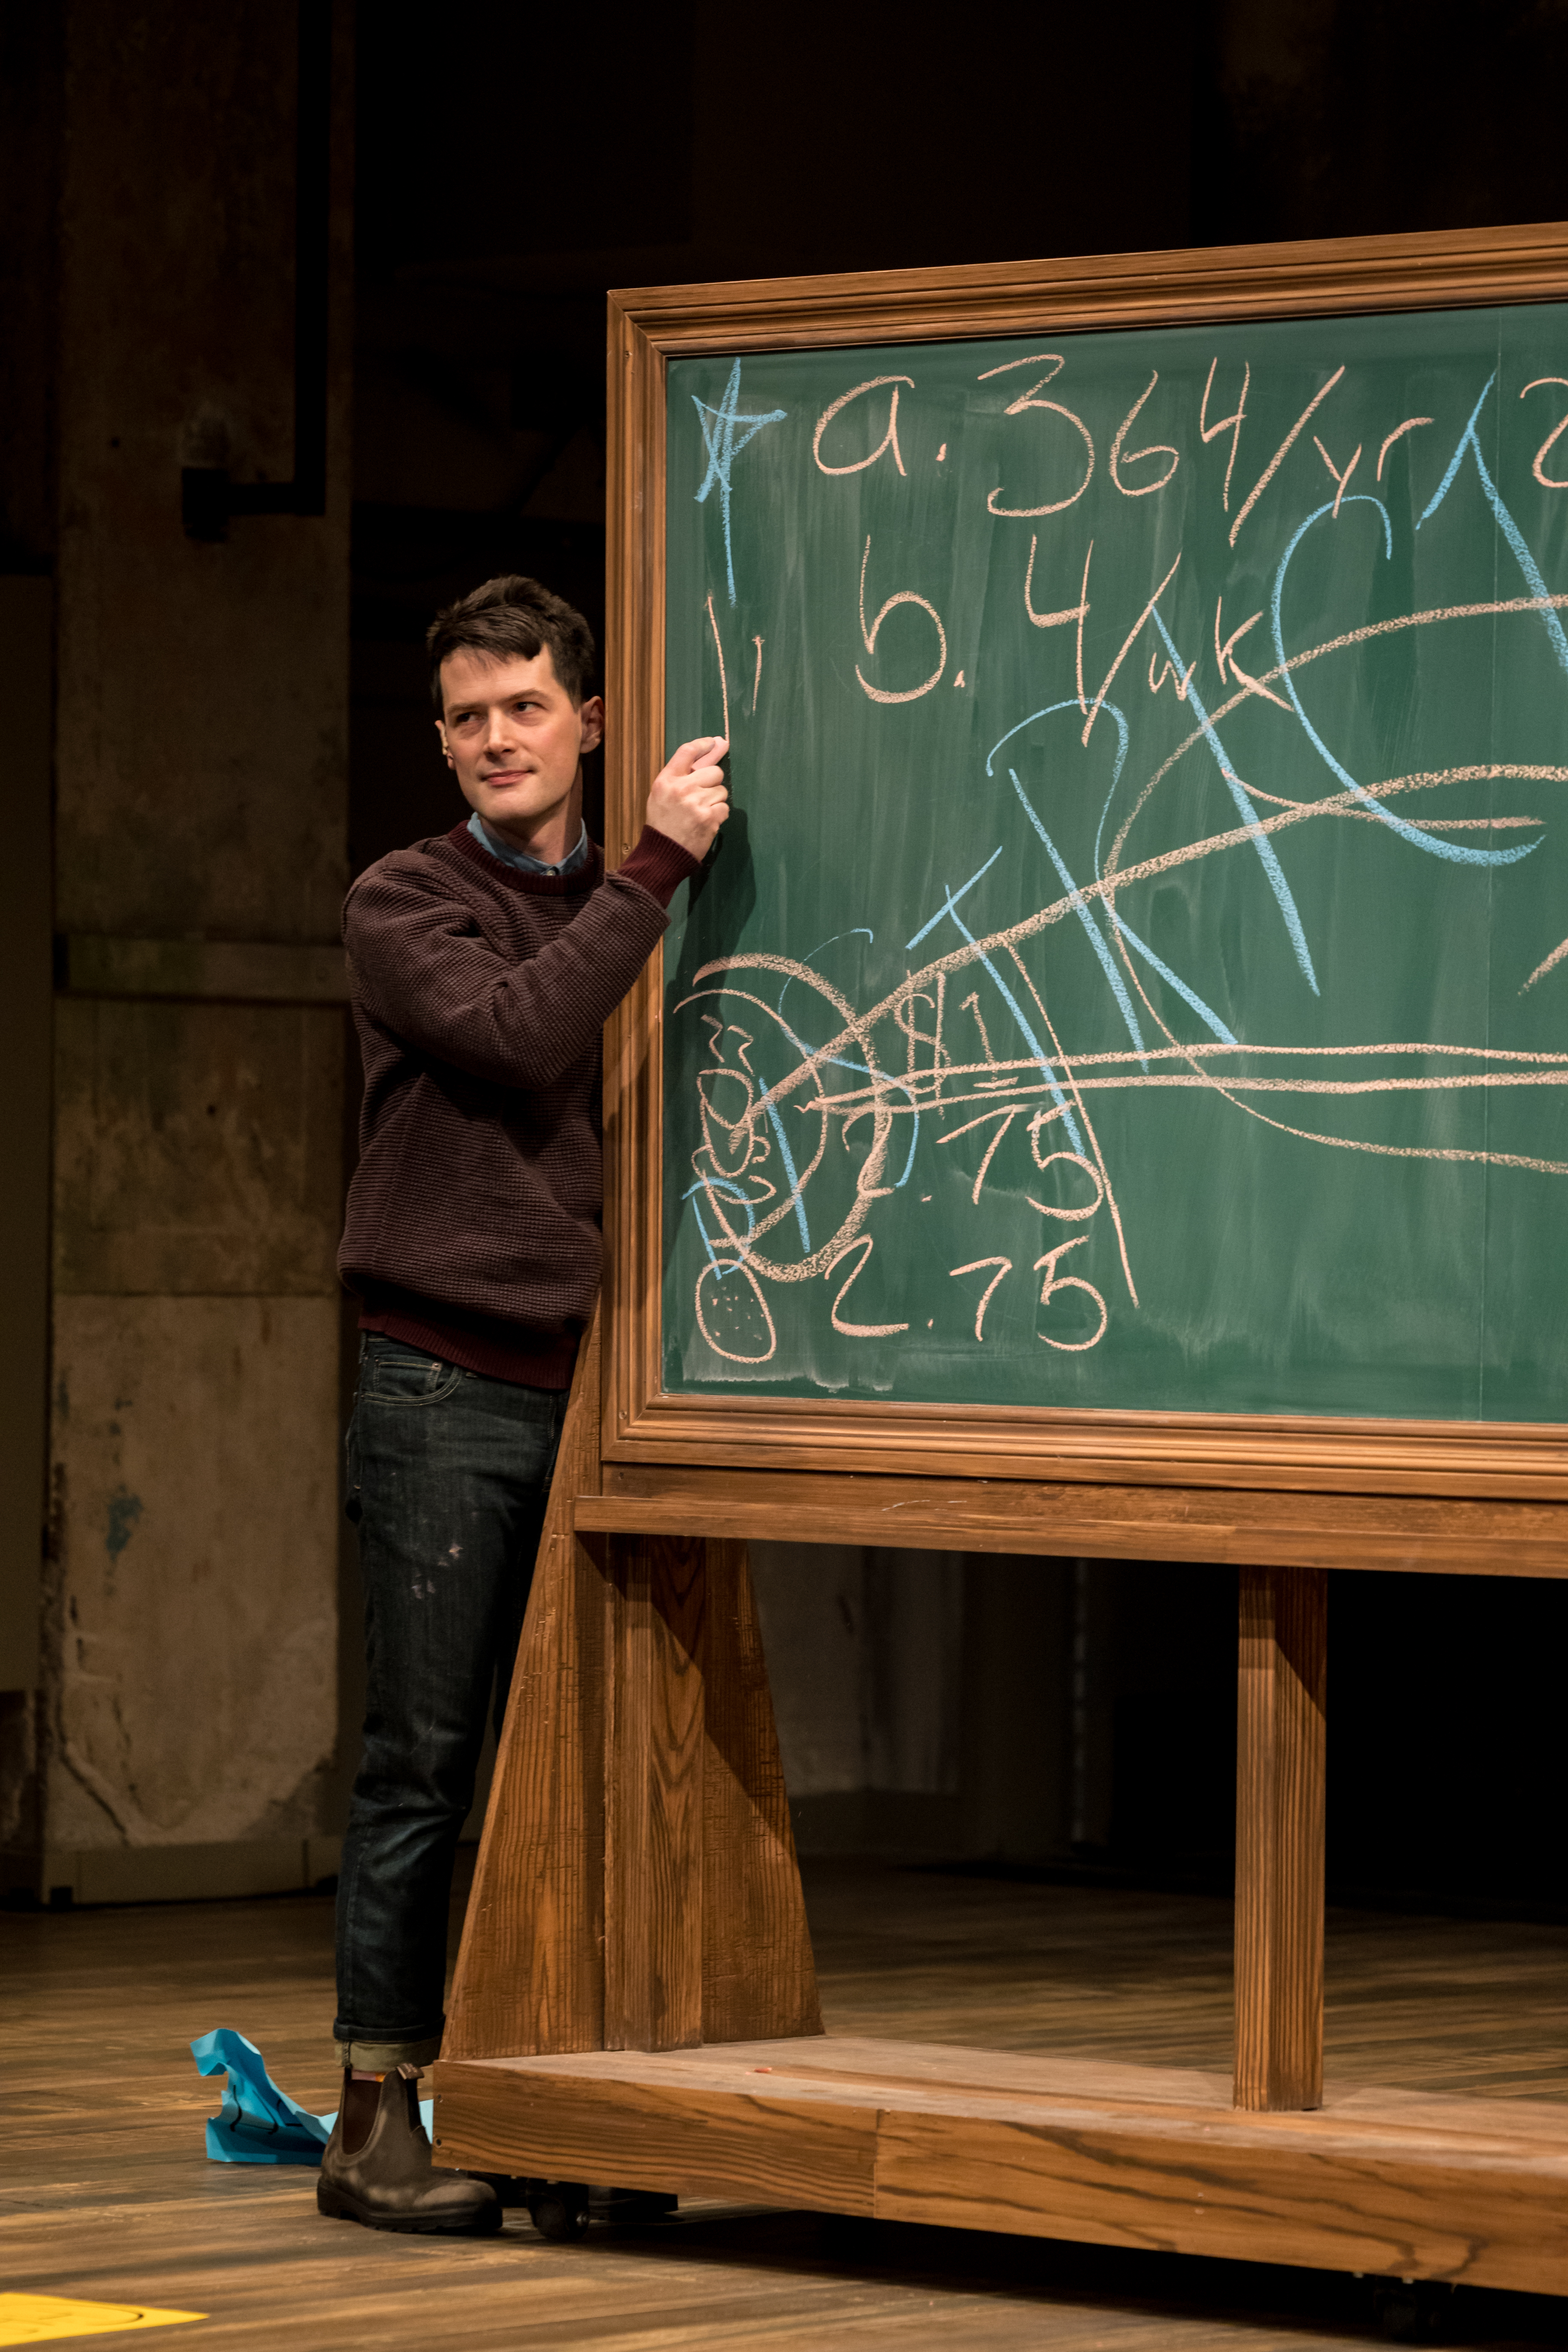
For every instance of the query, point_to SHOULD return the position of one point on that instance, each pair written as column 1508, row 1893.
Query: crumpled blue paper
column 257, row 2123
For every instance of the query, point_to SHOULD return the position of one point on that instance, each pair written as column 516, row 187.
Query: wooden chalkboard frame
column 642, row 1424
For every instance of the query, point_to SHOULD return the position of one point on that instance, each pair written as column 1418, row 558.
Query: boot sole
column 340, row 2207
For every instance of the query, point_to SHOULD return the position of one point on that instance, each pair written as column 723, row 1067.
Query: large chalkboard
column 1135, row 973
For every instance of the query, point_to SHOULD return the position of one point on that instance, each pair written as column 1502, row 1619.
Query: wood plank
column 1281, row 1784
column 946, row 2078
column 1490, row 2221
column 530, row 1974
column 654, row 1790
column 1458, row 2197
column 1313, row 277
column 1511, row 1461
column 758, row 1977
column 912, row 2071
column 820, row 2153
column 634, row 649
column 1258, row 1528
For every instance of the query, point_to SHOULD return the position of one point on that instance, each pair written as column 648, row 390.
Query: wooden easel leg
column 1279, row 1792
column 706, row 1938
column 759, row 1982
column 530, row 1975
column 654, row 1786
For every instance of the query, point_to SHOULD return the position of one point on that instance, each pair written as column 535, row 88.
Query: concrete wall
column 25, row 1087
column 187, row 1709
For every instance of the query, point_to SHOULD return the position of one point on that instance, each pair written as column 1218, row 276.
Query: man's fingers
column 701, row 780
column 691, row 795
column 701, row 747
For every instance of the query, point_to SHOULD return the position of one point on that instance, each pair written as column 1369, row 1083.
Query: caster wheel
column 1418, row 2312
column 559, row 2211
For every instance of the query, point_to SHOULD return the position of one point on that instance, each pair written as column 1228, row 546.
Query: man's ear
column 441, row 731
column 593, row 718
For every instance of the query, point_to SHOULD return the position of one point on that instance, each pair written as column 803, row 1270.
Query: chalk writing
column 1229, row 732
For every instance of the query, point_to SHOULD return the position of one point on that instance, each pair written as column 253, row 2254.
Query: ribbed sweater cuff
column 658, row 865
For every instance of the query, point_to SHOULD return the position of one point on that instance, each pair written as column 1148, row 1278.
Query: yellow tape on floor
column 40, row 2318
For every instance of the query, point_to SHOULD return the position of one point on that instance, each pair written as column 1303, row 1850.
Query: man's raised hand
column 690, row 796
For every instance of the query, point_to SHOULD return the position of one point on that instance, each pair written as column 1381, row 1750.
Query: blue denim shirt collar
column 519, row 857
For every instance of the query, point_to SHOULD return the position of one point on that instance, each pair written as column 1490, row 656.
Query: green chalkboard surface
column 1135, row 973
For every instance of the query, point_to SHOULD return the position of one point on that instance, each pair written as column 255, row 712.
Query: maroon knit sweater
column 479, row 994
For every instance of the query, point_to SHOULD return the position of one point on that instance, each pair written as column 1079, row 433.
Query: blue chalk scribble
column 724, row 445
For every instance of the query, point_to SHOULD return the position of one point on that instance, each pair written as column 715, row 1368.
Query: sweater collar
column 546, row 884
column 519, row 860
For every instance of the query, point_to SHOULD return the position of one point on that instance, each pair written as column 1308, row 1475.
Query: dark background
column 505, row 180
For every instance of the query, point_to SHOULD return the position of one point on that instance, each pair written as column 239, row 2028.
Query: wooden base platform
column 1110, row 2155
column 636, row 2003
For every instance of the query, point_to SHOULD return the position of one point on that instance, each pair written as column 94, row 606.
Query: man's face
column 515, row 738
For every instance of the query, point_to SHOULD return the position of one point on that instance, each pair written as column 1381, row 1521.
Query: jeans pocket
column 396, row 1373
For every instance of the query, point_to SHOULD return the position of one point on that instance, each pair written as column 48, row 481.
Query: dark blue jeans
column 448, row 1476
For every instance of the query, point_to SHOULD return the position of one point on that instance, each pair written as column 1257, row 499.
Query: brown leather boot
column 382, row 2176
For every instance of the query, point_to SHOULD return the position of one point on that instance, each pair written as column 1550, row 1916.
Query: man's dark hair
column 508, row 619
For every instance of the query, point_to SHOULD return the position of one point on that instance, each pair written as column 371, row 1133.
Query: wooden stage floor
column 107, row 2194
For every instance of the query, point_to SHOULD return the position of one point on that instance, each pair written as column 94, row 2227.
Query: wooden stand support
column 636, row 2003
column 1280, row 1792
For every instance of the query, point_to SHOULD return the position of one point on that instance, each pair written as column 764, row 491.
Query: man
column 483, row 963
